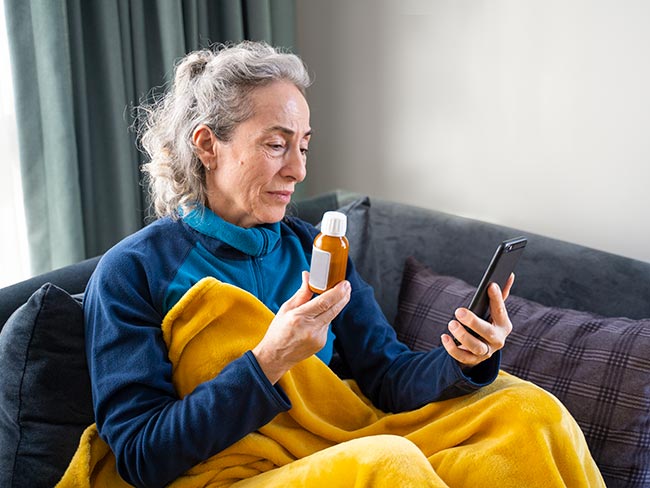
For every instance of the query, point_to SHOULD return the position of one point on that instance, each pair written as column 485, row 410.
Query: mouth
column 283, row 196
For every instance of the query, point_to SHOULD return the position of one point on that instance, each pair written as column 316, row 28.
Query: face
column 253, row 176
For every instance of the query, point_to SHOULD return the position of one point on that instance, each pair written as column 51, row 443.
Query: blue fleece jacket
column 155, row 435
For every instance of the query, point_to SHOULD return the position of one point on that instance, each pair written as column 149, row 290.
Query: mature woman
column 227, row 145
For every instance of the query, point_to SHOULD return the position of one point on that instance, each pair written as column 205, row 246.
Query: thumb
column 302, row 296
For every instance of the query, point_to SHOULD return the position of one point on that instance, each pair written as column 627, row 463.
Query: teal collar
column 255, row 241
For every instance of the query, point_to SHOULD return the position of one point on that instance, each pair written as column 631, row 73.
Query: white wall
column 528, row 113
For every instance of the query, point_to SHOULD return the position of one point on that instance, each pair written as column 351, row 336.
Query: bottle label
column 319, row 269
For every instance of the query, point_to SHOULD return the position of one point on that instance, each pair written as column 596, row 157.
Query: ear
column 205, row 145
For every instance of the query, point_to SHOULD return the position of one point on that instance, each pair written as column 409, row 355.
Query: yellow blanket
column 510, row 434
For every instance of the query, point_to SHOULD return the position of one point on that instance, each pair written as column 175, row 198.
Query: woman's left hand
column 473, row 350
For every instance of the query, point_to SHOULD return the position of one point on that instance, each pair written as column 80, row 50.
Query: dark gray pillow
column 45, row 398
column 599, row 367
column 358, row 230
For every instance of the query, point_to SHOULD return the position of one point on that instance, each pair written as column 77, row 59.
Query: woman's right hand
column 299, row 329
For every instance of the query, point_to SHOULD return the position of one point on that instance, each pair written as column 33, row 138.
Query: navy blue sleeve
column 392, row 376
column 155, row 435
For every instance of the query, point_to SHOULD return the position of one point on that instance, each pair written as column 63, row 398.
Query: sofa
column 581, row 331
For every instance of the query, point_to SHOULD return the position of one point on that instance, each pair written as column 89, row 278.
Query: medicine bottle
column 329, row 257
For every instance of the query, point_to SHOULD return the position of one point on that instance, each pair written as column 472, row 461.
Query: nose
column 295, row 167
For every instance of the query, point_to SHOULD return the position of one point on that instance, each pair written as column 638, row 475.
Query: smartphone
column 503, row 263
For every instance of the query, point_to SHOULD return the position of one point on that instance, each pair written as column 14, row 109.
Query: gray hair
column 210, row 87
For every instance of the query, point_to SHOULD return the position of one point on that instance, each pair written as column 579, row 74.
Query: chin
column 273, row 215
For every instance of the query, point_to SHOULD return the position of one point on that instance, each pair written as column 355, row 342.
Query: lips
column 283, row 196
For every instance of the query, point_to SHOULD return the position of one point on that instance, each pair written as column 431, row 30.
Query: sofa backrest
column 551, row 272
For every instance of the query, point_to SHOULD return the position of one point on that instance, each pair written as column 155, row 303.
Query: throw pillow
column 45, row 398
column 597, row 366
column 358, row 229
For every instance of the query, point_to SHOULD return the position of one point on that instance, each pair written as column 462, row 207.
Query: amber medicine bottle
column 329, row 257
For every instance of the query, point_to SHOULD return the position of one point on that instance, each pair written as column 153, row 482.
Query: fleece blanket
column 509, row 434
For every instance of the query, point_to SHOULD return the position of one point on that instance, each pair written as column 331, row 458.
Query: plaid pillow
column 598, row 367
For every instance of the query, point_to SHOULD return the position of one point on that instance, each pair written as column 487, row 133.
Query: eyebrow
column 286, row 130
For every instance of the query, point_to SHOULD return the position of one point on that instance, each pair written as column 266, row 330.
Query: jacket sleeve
column 155, row 435
column 392, row 376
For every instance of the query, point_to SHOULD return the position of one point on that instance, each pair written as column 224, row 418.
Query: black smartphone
column 503, row 263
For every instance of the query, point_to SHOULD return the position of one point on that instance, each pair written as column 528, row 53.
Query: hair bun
column 197, row 67
column 193, row 65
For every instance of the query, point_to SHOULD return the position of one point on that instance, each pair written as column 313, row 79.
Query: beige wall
column 528, row 113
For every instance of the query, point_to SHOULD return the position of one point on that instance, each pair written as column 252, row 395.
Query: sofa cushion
column 45, row 399
column 598, row 367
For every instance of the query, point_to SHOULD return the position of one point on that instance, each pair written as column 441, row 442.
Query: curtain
column 79, row 68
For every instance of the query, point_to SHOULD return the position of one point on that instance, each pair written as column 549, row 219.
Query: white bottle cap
column 334, row 224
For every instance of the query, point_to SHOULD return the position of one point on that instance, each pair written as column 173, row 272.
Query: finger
column 497, row 303
column 328, row 305
column 500, row 317
column 471, row 321
column 508, row 286
column 300, row 297
column 336, row 309
column 468, row 342
column 463, row 357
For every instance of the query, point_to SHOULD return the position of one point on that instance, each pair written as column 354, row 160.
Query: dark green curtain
column 79, row 67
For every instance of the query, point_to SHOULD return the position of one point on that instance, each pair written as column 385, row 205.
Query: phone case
column 503, row 263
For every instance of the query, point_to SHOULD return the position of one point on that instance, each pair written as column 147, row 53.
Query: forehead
column 280, row 103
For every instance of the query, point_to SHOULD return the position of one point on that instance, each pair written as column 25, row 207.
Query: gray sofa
column 581, row 317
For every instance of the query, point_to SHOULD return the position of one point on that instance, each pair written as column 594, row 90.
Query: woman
column 227, row 146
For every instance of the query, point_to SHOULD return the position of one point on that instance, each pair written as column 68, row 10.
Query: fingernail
column 461, row 313
column 347, row 286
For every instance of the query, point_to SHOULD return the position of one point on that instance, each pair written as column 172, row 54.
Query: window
column 14, row 254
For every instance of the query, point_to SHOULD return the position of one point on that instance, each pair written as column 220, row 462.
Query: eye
column 304, row 151
column 276, row 148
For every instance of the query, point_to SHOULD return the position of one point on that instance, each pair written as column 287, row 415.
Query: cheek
column 256, row 169
column 261, row 170
column 250, row 180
